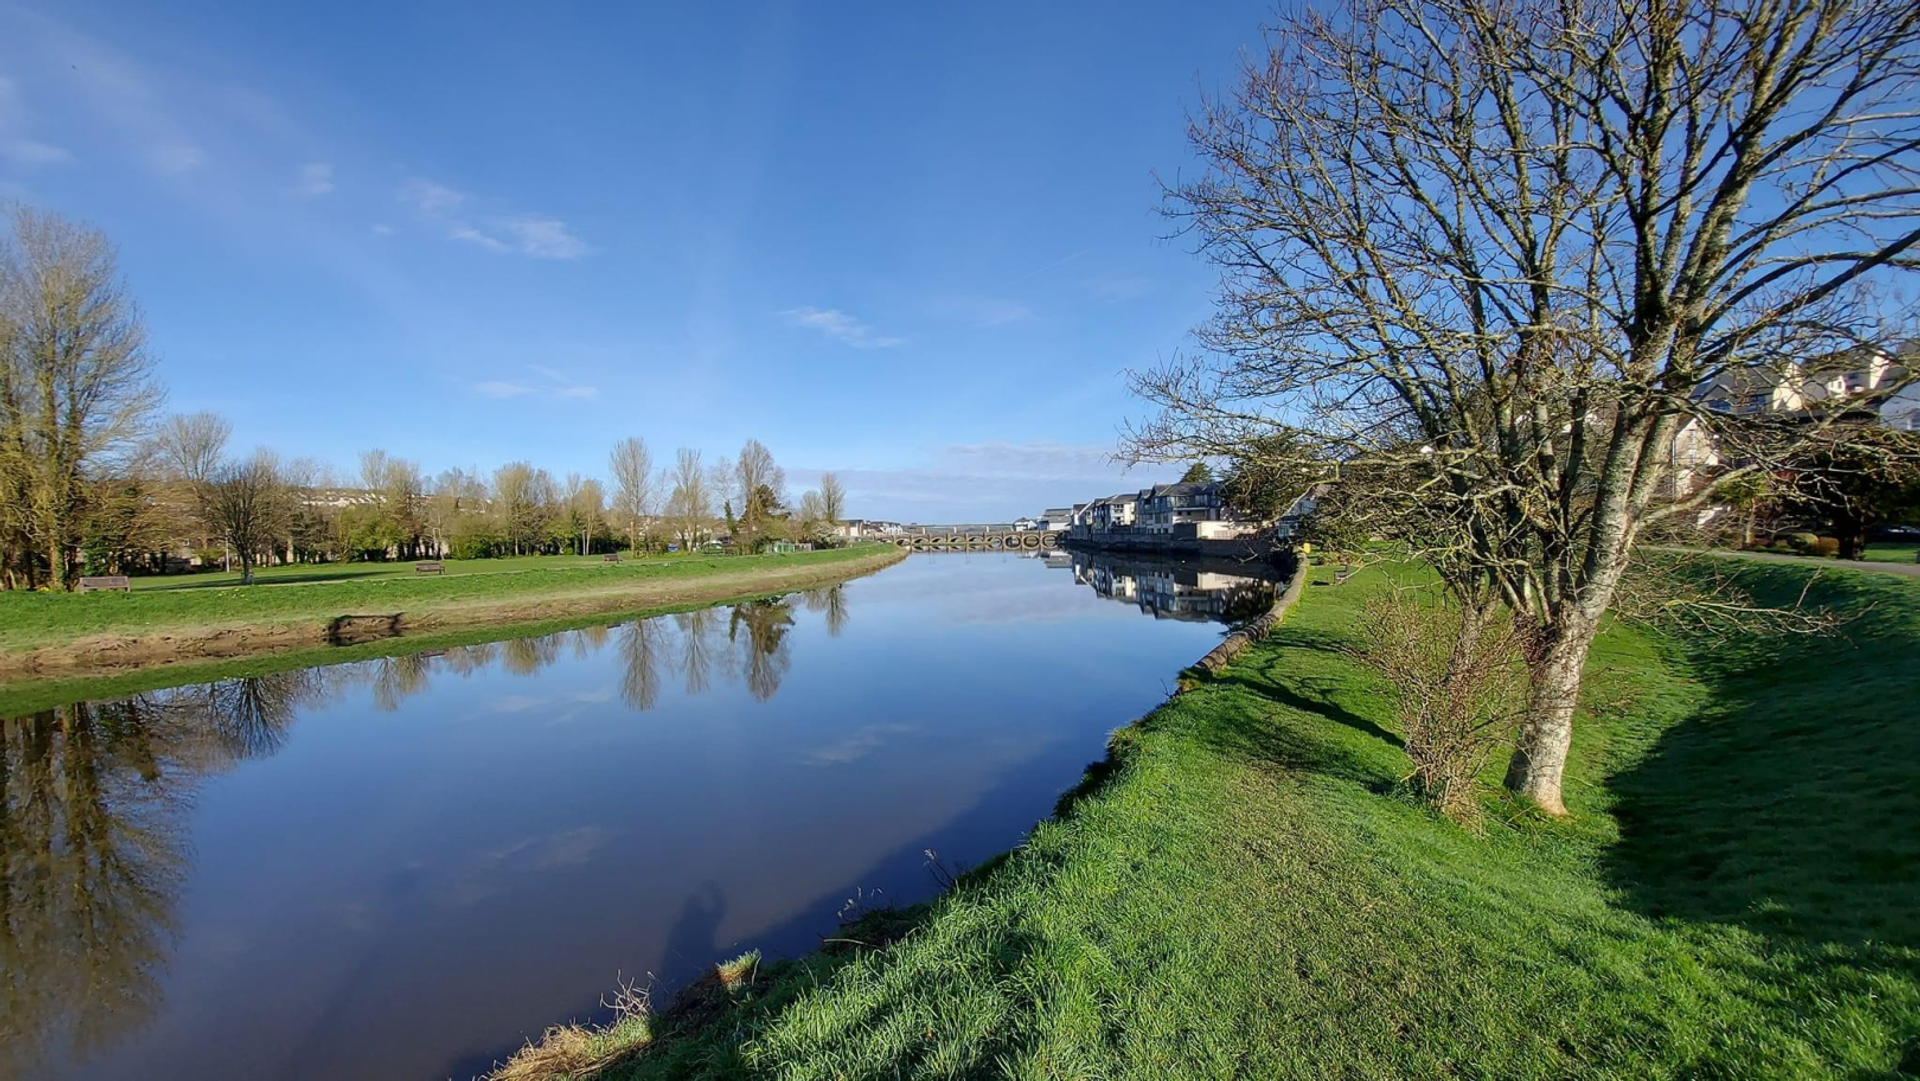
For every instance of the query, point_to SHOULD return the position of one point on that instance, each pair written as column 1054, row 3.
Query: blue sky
column 912, row 243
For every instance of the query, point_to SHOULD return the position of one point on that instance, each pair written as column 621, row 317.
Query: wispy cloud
column 430, row 198
column 315, row 178
column 553, row 383
column 17, row 145
column 1116, row 289
column 841, row 327
column 462, row 231
column 536, row 236
column 32, row 152
column 987, row 482
column 855, row 746
column 541, row 238
column 984, row 312
column 176, row 157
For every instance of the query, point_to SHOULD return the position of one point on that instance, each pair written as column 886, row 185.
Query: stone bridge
column 993, row 540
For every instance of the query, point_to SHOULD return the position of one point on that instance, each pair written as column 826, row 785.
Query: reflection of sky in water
column 402, row 867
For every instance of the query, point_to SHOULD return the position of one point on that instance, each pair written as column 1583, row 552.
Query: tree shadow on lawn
column 1269, row 677
column 1789, row 804
column 224, row 582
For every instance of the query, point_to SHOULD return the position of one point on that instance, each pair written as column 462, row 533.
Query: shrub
column 1824, row 546
column 1458, row 687
column 1802, row 542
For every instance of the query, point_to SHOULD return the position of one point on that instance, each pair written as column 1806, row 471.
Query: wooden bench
column 1341, row 574
column 429, row 568
column 106, row 581
column 611, row 557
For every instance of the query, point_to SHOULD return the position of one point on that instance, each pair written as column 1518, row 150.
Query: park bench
column 429, row 568
column 1341, row 574
column 612, row 557
column 106, row 581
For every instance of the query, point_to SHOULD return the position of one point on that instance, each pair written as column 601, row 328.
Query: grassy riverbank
column 47, row 636
column 1245, row 893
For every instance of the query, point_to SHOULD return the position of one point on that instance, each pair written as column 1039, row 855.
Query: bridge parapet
column 978, row 541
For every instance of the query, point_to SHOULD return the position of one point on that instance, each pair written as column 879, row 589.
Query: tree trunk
column 1540, row 755
column 57, row 561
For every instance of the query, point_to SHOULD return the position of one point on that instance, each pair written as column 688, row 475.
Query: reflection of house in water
column 1170, row 590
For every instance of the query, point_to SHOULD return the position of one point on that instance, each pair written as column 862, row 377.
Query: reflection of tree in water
column 466, row 660
column 764, row 645
column 525, row 656
column 832, row 602
column 588, row 641
column 93, row 850
column 640, row 685
column 396, row 679
column 697, row 647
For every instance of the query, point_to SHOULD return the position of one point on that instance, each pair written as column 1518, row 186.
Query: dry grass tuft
column 577, row 1052
column 738, row 972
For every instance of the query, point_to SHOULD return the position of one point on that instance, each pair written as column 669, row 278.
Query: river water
column 402, row 868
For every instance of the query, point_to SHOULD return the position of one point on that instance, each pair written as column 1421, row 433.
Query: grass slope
column 32, row 620
column 1245, row 893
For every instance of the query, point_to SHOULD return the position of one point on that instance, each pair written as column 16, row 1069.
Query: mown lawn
column 30, row 620
column 356, row 572
column 1883, row 552
column 1249, row 895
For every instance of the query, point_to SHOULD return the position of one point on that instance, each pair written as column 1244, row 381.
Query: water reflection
column 93, row 799
column 451, row 829
column 1197, row 591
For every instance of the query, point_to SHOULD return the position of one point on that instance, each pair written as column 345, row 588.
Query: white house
column 1164, row 506
column 1114, row 512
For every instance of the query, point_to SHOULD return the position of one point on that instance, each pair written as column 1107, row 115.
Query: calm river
column 401, row 868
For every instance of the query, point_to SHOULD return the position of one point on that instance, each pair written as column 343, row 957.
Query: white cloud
column 841, row 327
column 430, row 198
column 32, row 152
column 543, row 238
column 496, row 388
column 536, row 236
column 381, row 229
column 988, row 482
column 316, row 178
column 15, row 145
column 1114, row 290
column 462, row 231
column 557, row 384
column 539, row 238
column 176, row 157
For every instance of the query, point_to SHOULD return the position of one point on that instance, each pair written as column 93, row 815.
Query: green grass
column 1244, row 891
column 32, row 620
column 360, row 572
column 1890, row 553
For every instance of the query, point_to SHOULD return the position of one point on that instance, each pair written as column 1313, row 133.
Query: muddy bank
column 110, row 654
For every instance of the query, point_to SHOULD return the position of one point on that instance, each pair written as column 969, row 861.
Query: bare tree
column 690, row 501
column 75, row 377
column 810, row 517
column 523, row 498
column 190, row 446
column 833, row 500
column 633, row 485
column 759, row 491
column 1493, row 251
column 586, row 505
column 246, row 503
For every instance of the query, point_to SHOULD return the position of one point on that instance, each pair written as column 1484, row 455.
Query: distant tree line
column 94, row 480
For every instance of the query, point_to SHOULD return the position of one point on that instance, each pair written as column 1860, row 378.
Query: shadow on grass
column 1243, row 723
column 224, row 581
column 1789, row 803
